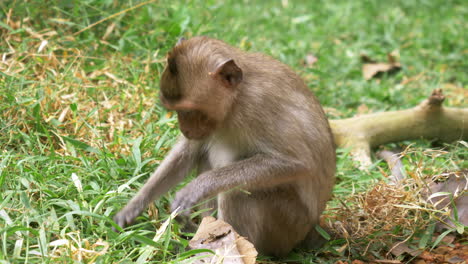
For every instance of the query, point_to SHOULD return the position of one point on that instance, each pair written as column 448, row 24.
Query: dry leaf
column 456, row 184
column 445, row 254
column 399, row 249
column 371, row 68
column 427, row 256
column 448, row 239
column 456, row 259
column 310, row 60
column 220, row 237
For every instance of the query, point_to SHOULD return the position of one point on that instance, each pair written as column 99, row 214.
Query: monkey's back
column 283, row 103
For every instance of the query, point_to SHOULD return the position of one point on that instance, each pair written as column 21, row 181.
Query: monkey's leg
column 313, row 240
column 275, row 220
column 173, row 169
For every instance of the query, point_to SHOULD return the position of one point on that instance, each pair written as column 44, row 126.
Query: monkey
column 256, row 136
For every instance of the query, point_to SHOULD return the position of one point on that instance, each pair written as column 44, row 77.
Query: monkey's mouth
column 195, row 125
column 196, row 133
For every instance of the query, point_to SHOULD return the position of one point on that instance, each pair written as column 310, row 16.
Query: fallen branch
column 428, row 120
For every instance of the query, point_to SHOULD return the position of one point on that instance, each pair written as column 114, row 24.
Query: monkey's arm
column 259, row 171
column 173, row 169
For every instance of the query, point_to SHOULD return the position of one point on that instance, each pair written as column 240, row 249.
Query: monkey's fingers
column 187, row 226
column 184, row 201
column 124, row 218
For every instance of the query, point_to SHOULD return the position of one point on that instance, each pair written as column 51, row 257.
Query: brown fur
column 267, row 153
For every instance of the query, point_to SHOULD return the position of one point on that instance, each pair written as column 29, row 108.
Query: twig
column 112, row 16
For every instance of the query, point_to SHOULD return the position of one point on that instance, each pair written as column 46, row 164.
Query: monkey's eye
column 172, row 65
column 184, row 112
column 170, row 96
column 191, row 114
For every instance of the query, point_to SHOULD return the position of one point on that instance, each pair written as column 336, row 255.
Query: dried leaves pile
column 379, row 209
column 391, row 214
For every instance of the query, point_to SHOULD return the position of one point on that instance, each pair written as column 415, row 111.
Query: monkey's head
column 200, row 83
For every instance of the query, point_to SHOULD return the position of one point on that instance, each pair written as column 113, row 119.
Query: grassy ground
column 81, row 127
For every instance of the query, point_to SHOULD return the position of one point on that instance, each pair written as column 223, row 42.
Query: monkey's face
column 200, row 88
column 198, row 114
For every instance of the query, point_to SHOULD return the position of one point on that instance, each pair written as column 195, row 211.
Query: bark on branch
column 428, row 120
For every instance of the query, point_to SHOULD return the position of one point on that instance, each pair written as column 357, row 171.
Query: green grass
column 86, row 105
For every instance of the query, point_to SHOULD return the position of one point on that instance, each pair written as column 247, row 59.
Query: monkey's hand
column 185, row 199
column 126, row 216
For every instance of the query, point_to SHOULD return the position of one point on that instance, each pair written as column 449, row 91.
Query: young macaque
column 256, row 135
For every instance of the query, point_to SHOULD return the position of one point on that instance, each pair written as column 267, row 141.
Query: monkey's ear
column 228, row 73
